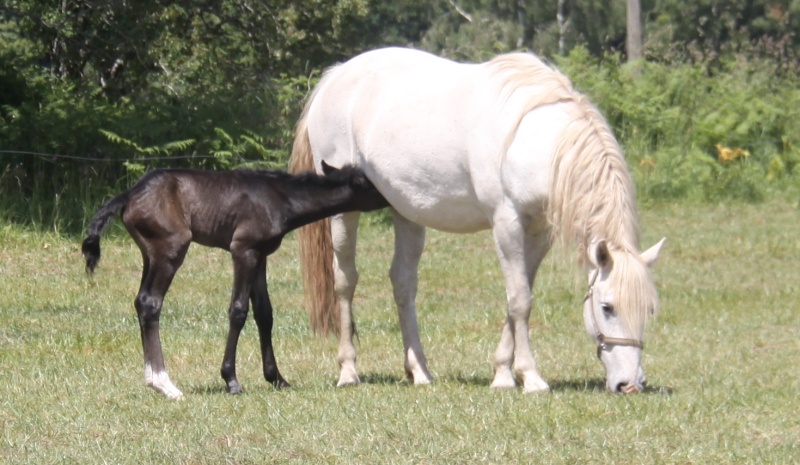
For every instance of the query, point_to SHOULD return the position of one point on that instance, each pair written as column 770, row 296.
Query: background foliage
column 94, row 93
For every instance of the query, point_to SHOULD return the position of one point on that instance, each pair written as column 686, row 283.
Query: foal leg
column 344, row 230
column 520, row 257
column 156, row 279
column 244, row 271
column 409, row 240
column 262, row 313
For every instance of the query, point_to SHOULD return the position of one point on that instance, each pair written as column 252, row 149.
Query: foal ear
column 328, row 169
column 650, row 255
column 599, row 255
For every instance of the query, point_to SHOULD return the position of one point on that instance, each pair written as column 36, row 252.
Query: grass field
column 722, row 358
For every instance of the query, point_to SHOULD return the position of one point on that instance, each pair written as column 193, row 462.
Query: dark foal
column 245, row 212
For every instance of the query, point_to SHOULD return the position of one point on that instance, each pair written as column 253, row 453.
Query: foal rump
column 91, row 244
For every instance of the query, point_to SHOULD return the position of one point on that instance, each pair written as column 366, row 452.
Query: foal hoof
column 280, row 384
column 234, row 388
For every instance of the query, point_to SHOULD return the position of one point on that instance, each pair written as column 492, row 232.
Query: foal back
column 211, row 208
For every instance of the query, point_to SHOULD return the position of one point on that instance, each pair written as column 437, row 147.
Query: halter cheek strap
column 604, row 341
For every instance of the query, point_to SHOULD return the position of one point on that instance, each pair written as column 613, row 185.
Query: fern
column 167, row 149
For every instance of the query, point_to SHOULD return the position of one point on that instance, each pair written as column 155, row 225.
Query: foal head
column 365, row 197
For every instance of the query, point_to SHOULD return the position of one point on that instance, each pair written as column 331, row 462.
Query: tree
column 633, row 42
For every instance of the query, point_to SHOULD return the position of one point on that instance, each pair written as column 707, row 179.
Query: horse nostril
column 620, row 387
column 628, row 388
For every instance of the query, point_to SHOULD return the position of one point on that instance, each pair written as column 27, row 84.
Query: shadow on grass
column 217, row 389
column 599, row 385
column 578, row 385
column 382, row 378
column 594, row 385
column 469, row 379
column 208, row 389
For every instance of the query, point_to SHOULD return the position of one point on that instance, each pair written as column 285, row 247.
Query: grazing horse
column 506, row 145
column 244, row 212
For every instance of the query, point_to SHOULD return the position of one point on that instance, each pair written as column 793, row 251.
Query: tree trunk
column 563, row 26
column 634, row 36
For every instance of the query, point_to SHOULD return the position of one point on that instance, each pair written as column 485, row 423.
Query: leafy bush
column 676, row 120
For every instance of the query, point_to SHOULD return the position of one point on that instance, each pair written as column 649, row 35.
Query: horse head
column 619, row 298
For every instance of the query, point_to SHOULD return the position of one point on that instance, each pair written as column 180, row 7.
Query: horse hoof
column 536, row 389
column 348, row 382
column 348, row 378
column 503, row 379
column 535, row 386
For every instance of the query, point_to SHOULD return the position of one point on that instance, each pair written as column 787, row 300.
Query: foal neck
column 314, row 203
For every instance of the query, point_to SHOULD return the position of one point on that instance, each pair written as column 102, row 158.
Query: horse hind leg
column 344, row 230
column 409, row 243
column 156, row 279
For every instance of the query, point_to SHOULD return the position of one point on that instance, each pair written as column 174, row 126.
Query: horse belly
column 434, row 205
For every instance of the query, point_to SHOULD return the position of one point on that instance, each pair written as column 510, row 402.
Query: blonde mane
column 592, row 194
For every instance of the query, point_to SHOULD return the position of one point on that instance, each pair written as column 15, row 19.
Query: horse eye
column 608, row 309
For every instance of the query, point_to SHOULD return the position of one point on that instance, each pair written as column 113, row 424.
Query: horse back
column 430, row 133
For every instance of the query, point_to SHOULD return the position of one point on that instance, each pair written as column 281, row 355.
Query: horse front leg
column 408, row 245
column 520, row 256
column 344, row 230
column 244, row 269
column 262, row 313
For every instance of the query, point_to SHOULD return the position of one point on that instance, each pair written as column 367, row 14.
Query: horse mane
column 592, row 195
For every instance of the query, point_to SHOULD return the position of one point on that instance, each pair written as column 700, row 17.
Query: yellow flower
column 726, row 154
column 647, row 165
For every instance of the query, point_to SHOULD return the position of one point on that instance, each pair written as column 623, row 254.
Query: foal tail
column 316, row 247
column 101, row 220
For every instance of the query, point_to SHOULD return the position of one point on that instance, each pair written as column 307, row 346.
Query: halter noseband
column 604, row 341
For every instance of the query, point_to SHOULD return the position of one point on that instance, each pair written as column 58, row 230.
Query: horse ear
column 650, row 255
column 328, row 169
column 599, row 254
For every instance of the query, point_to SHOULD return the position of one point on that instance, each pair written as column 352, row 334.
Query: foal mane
column 348, row 174
column 592, row 195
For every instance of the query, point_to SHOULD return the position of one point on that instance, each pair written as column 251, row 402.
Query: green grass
column 722, row 357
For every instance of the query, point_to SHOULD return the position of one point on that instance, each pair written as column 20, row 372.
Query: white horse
column 507, row 145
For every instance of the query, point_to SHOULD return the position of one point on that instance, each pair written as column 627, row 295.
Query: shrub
column 670, row 118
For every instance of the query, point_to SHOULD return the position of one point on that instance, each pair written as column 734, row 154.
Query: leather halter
column 604, row 341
